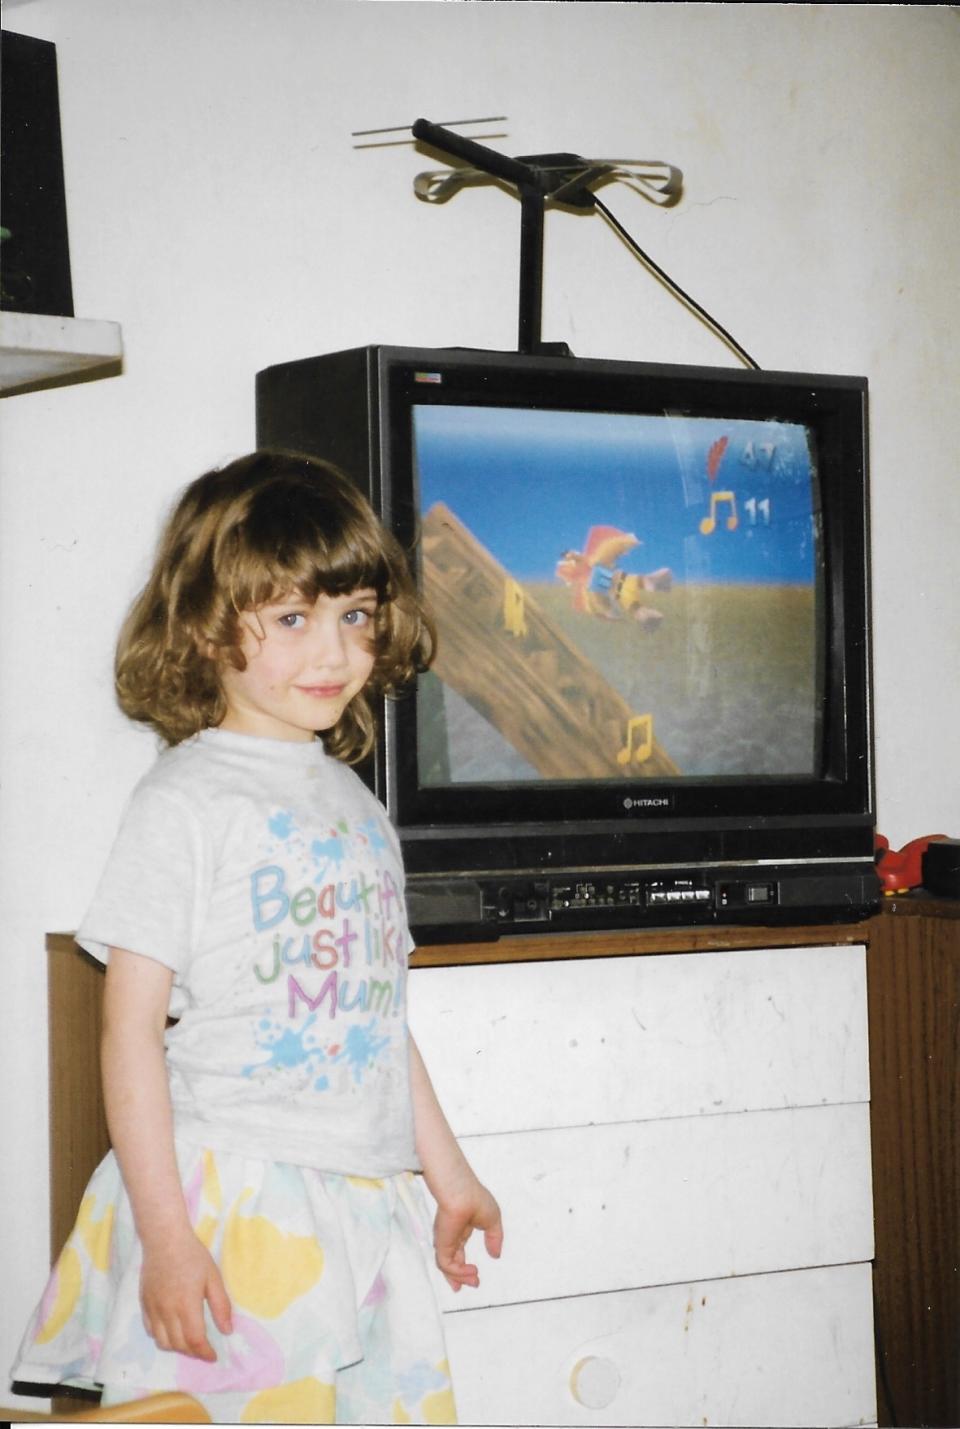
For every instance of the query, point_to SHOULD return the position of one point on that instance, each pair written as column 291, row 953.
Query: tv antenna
column 566, row 180
column 539, row 179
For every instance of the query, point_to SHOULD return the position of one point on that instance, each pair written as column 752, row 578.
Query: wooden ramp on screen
column 502, row 653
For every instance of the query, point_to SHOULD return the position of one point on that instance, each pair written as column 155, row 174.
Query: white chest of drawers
column 680, row 1146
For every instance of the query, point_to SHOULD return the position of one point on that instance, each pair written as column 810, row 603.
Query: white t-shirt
column 269, row 879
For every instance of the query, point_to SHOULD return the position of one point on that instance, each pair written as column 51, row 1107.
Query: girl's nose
column 328, row 646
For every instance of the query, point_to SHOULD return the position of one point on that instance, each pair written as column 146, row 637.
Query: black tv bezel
column 352, row 408
column 835, row 408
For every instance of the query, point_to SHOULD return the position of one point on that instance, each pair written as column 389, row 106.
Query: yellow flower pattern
column 265, row 1269
column 96, row 1235
column 68, row 1281
column 306, row 1401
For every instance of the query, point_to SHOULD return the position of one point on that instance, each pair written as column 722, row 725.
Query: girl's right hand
column 175, row 1280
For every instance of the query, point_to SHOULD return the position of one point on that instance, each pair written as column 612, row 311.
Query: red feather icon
column 715, row 456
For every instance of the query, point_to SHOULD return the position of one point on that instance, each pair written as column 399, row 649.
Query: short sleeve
column 150, row 898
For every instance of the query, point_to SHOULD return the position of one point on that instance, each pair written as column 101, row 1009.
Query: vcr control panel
column 467, row 908
column 547, row 899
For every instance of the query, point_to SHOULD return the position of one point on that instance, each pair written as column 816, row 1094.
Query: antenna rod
column 501, row 166
column 532, row 190
column 530, row 302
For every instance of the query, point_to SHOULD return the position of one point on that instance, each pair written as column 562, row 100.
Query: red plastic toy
column 901, row 870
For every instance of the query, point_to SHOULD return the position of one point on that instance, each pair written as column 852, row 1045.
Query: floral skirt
column 335, row 1319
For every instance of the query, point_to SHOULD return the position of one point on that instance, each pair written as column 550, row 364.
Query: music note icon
column 709, row 523
column 639, row 745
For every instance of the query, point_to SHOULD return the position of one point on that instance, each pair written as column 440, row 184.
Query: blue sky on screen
column 529, row 484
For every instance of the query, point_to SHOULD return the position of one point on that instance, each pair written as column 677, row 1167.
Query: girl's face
column 305, row 662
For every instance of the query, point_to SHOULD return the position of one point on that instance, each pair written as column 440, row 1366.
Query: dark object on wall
column 941, row 868
column 35, row 257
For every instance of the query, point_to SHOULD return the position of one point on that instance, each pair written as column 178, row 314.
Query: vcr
column 479, row 907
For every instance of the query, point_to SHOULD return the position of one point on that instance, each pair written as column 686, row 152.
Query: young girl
column 256, row 1238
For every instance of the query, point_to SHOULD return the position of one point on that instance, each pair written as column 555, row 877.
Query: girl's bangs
column 311, row 562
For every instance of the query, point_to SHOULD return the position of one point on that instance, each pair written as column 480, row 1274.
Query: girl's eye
column 293, row 620
column 357, row 618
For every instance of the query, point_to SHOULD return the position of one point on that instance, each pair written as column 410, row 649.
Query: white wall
column 219, row 212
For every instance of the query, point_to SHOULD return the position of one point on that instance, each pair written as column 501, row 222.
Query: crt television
column 650, row 703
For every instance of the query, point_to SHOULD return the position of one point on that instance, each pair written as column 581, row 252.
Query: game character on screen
column 601, row 588
column 257, row 1237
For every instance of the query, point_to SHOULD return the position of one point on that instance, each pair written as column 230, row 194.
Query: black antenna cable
column 675, row 288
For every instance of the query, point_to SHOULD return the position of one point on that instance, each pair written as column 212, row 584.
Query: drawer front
column 517, row 1046
column 788, row 1349
column 599, row 1208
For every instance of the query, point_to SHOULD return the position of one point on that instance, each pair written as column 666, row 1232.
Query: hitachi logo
column 653, row 801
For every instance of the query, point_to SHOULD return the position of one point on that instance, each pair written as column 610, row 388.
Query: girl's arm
column 178, row 1272
column 463, row 1204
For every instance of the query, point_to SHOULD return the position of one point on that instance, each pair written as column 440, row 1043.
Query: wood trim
column 633, row 942
column 78, row 1127
column 913, row 982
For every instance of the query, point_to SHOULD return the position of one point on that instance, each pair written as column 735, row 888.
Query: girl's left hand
column 456, row 1219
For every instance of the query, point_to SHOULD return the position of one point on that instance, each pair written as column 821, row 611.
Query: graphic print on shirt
column 327, row 913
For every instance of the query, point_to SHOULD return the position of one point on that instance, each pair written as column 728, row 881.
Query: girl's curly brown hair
column 241, row 536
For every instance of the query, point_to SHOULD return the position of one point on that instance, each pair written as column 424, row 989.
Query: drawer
column 531, row 1045
column 788, row 1349
column 600, row 1208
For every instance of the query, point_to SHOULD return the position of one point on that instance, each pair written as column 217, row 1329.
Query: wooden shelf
column 38, row 351
column 542, row 947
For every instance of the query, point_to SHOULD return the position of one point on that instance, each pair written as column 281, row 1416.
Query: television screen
column 618, row 594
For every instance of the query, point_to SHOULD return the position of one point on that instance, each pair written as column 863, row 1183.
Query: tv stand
column 913, row 995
